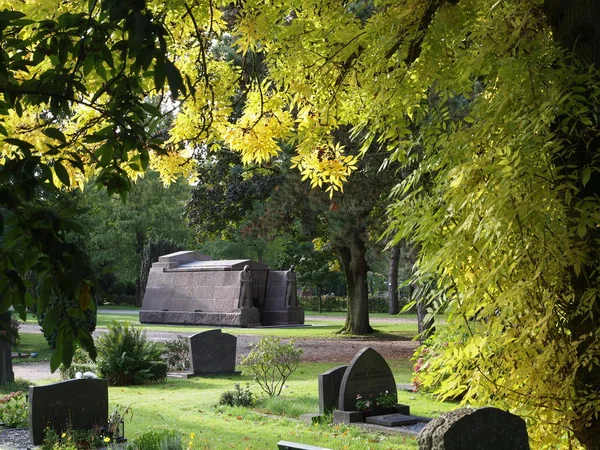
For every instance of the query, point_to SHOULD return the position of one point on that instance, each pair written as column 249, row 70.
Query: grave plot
column 364, row 392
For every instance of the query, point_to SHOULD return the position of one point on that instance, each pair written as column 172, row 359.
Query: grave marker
column 213, row 352
column 329, row 389
column 367, row 375
column 79, row 404
column 469, row 428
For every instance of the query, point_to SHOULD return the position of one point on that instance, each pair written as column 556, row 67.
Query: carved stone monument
column 367, row 377
column 188, row 288
column 213, row 352
column 468, row 428
column 79, row 404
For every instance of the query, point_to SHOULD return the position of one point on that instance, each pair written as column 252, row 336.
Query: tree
column 495, row 103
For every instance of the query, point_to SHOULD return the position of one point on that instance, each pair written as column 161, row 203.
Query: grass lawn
column 190, row 405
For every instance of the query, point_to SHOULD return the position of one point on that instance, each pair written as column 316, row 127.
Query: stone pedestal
column 243, row 317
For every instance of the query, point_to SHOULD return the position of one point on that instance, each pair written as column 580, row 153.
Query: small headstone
column 367, row 375
column 392, row 420
column 213, row 352
column 79, row 404
column 6, row 368
column 473, row 429
column 329, row 389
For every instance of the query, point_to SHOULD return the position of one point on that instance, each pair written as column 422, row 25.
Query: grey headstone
column 213, row 352
column 367, row 375
column 392, row 420
column 80, row 404
column 329, row 389
column 475, row 429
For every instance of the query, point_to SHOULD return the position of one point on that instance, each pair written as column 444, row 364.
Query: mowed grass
column 325, row 328
column 191, row 406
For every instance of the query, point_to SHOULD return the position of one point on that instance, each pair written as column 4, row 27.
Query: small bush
column 158, row 439
column 178, row 353
column 237, row 397
column 126, row 356
column 271, row 362
column 13, row 410
column 71, row 440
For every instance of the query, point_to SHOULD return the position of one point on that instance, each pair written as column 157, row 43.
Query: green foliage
column 271, row 362
column 13, row 410
column 126, row 356
column 158, row 439
column 9, row 324
column 238, row 396
column 71, row 439
column 66, row 309
column 177, row 353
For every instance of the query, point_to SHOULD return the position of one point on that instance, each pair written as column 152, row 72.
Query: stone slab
column 329, row 389
column 347, row 417
column 392, row 420
column 80, row 404
column 367, row 375
column 242, row 318
column 289, row 316
column 287, row 445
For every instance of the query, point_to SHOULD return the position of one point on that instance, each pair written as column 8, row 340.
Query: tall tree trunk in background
column 394, row 304
column 354, row 264
column 576, row 26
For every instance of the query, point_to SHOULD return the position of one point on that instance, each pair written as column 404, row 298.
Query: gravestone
column 79, row 404
column 392, row 420
column 367, row 375
column 329, row 389
column 6, row 368
column 473, row 429
column 213, row 352
column 287, row 445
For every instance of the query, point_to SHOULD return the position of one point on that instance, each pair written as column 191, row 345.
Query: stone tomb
column 368, row 376
column 188, row 288
column 474, row 428
column 79, row 404
column 213, row 352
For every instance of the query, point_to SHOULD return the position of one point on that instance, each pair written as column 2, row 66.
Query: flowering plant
column 386, row 399
column 362, row 404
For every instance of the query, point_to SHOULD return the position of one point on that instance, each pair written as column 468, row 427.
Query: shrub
column 271, row 362
column 126, row 356
column 13, row 410
column 158, row 439
column 178, row 353
column 237, row 397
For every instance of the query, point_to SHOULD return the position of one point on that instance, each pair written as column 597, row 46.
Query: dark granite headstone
column 392, row 420
column 475, row 428
column 329, row 389
column 367, row 375
column 80, row 404
column 213, row 352
column 6, row 368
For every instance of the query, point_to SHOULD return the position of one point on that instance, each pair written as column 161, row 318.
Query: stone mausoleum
column 188, row 288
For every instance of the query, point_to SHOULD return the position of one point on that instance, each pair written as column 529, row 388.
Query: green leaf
column 55, row 133
column 585, row 175
column 174, row 79
column 56, row 359
column 62, row 173
column 3, row 130
column 19, row 143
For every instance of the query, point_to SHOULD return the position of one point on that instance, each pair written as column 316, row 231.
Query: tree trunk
column 394, row 304
column 355, row 267
column 576, row 26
